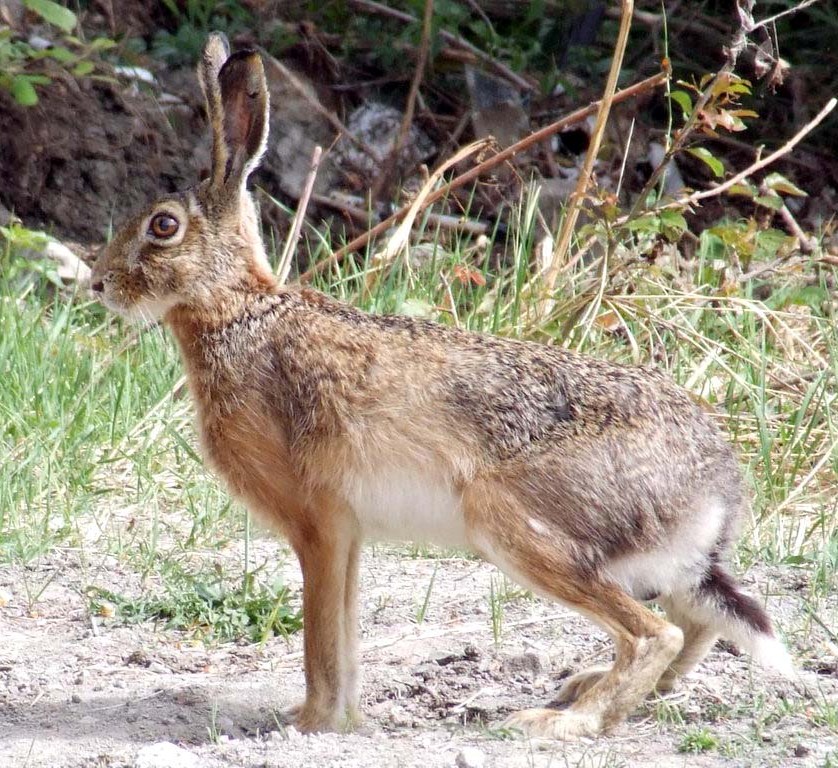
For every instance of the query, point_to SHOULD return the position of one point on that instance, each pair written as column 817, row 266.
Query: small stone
column 801, row 750
column 526, row 667
column 138, row 658
column 471, row 653
column 158, row 668
column 224, row 724
column 164, row 754
column 470, row 757
column 427, row 671
column 75, row 698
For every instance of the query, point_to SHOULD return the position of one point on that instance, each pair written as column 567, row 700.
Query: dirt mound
column 88, row 153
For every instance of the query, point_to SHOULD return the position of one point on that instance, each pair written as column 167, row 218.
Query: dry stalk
column 575, row 203
column 296, row 228
column 763, row 162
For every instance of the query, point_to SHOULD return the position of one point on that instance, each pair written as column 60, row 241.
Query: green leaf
column 646, row 223
column 779, row 183
column 60, row 53
column 674, row 220
column 682, row 98
column 23, row 91
column 51, row 12
column 102, row 44
column 772, row 201
column 770, row 242
column 708, row 159
column 416, row 308
column 746, row 190
column 83, row 68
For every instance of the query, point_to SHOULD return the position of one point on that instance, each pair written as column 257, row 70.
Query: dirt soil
column 77, row 690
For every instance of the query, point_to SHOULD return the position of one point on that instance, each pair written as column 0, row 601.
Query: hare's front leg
column 329, row 562
column 350, row 628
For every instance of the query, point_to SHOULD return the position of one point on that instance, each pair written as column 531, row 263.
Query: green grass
column 698, row 740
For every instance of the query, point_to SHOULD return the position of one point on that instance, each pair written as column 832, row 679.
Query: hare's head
column 199, row 247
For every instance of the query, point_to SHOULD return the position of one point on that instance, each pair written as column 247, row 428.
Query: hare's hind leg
column 699, row 638
column 645, row 644
column 328, row 560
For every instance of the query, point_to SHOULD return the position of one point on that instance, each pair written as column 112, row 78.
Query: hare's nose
column 97, row 287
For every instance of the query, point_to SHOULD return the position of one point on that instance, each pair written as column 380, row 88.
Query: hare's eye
column 163, row 225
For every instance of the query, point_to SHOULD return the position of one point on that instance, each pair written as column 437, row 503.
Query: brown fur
column 333, row 425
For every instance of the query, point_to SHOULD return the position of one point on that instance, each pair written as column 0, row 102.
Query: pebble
column 164, row 754
column 470, row 757
column 801, row 750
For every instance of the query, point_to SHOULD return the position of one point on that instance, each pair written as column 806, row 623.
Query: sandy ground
column 77, row 690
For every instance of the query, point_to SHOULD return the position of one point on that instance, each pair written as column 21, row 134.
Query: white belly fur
column 407, row 504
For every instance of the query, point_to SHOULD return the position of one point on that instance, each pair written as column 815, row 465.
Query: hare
column 594, row 484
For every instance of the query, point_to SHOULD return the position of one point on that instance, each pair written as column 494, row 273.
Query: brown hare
column 597, row 485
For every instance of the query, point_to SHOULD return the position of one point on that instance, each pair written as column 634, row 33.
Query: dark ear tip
column 243, row 66
column 247, row 58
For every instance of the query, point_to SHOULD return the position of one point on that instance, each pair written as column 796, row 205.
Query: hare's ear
column 216, row 52
column 244, row 128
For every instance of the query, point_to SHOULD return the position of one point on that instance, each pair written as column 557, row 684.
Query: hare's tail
column 738, row 617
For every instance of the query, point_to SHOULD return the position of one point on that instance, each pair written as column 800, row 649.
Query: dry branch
column 759, row 164
column 534, row 138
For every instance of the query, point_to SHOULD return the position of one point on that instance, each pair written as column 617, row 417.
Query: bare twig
column 575, row 203
column 534, row 138
column 500, row 69
column 294, row 235
column 807, row 243
column 763, row 162
column 777, row 16
column 382, row 184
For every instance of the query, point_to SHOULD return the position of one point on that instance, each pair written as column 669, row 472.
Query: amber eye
column 163, row 225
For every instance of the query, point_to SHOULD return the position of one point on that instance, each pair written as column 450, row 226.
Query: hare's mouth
column 144, row 311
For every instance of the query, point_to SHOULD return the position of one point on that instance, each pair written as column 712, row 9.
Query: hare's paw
column 311, row 718
column 667, row 684
column 563, row 724
column 577, row 684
